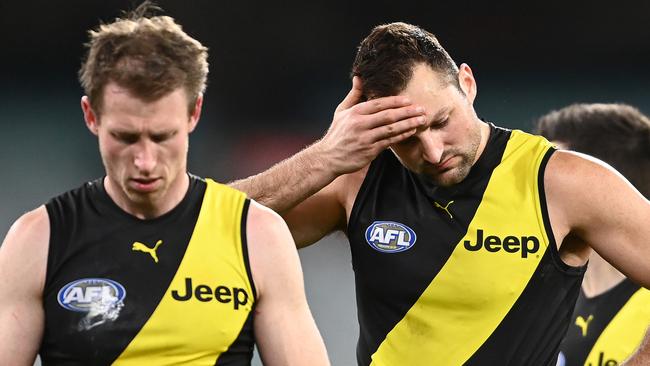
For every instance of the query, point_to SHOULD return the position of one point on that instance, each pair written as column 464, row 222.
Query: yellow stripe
column 474, row 291
column 625, row 331
column 195, row 332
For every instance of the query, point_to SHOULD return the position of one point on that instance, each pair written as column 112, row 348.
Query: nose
column 432, row 146
column 145, row 157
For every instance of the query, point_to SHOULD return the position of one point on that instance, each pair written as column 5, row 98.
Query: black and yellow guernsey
column 606, row 329
column 464, row 275
column 174, row 290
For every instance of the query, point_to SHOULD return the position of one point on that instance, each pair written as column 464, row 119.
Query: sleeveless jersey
column 174, row 290
column 606, row 329
column 468, row 274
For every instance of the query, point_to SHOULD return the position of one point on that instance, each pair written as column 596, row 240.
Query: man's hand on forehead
column 360, row 130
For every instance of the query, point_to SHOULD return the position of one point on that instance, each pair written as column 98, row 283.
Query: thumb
column 354, row 96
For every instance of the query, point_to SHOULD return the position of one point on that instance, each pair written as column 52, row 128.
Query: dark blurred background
column 278, row 70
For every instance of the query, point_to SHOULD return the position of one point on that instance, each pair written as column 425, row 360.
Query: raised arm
column 285, row 331
column 23, row 261
column 591, row 203
column 359, row 131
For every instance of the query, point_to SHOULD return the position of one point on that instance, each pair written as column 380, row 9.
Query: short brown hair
column 150, row 56
column 618, row 134
column 386, row 57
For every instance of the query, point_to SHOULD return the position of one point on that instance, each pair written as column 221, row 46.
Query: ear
column 90, row 117
column 194, row 118
column 467, row 82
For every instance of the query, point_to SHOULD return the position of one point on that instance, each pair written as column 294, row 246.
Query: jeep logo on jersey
column 603, row 362
column 390, row 236
column 85, row 294
column 204, row 293
column 510, row 244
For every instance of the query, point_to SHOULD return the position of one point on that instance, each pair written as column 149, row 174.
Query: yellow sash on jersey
column 474, row 290
column 197, row 332
column 625, row 331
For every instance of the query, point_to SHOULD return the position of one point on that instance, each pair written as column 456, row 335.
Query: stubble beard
column 459, row 172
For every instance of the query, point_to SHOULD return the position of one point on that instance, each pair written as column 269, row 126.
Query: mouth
column 445, row 164
column 144, row 185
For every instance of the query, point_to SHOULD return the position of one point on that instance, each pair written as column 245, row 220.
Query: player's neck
column 600, row 276
column 485, row 136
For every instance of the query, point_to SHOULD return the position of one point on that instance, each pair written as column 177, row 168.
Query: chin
column 143, row 197
column 446, row 182
column 450, row 177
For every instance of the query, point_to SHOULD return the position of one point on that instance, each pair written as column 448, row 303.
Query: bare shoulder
column 23, row 255
column 574, row 164
column 349, row 186
column 578, row 175
column 353, row 181
column 345, row 187
column 31, row 231
column 580, row 188
column 262, row 219
column 272, row 252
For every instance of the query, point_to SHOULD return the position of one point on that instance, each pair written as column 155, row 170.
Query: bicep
column 285, row 331
column 605, row 211
column 23, row 259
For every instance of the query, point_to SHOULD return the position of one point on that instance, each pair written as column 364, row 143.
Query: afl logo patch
column 390, row 236
column 88, row 293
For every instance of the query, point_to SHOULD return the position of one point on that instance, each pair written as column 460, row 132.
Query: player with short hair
column 150, row 264
column 468, row 240
column 612, row 312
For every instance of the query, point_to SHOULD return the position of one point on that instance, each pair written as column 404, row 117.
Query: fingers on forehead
column 395, row 115
column 380, row 104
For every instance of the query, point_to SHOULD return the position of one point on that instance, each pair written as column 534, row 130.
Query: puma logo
column 140, row 247
column 583, row 324
column 444, row 208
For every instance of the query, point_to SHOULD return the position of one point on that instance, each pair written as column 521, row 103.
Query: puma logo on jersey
column 510, row 244
column 140, row 247
column 583, row 324
column 444, row 208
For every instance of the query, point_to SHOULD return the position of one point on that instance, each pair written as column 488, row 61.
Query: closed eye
column 436, row 125
column 125, row 137
column 408, row 141
column 162, row 137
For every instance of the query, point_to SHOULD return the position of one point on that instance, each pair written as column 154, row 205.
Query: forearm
column 642, row 355
column 358, row 133
column 291, row 181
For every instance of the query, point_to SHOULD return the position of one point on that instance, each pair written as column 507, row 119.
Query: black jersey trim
column 555, row 254
column 240, row 352
column 244, row 245
column 52, row 243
